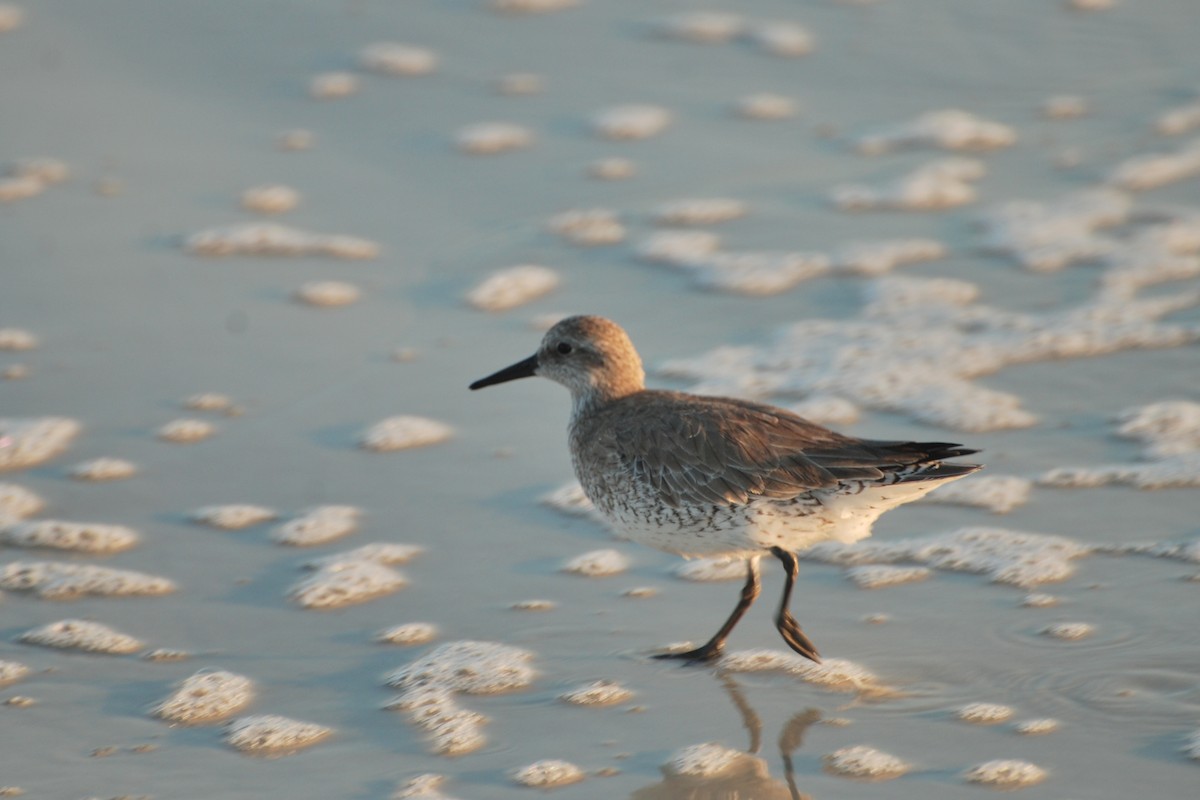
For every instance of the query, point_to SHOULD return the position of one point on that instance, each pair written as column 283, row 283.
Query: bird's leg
column 713, row 647
column 784, row 621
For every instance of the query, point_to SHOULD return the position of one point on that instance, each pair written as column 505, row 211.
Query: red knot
column 718, row 476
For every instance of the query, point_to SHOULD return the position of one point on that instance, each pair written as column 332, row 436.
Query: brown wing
column 723, row 451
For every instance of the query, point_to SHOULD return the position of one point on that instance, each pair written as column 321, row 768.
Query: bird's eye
column 564, row 348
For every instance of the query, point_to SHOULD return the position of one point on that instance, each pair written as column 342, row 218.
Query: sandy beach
column 254, row 253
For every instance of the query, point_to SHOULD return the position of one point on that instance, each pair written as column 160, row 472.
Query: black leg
column 713, row 647
column 784, row 621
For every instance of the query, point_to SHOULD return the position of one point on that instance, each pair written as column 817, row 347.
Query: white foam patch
column 392, row 58
column 17, row 502
column 1044, row 237
column 428, row 685
column 947, row 130
column 836, row 674
column 946, row 183
column 29, row 177
column 1064, row 106
column 103, row 469
column 520, row 83
column 270, row 198
column 865, row 763
column 766, row 106
column 206, row 696
column 589, row 227
column 17, row 340
column 234, row 516
column 386, row 553
column 631, row 121
column 534, row 605
column 921, row 343
column 270, row 239
column 318, row 526
column 1192, row 748
column 271, row 734
column 209, row 401
column 701, row 27
column 597, row 563
column 12, row 671
column 881, row 257
column 984, row 713
column 1167, row 428
column 597, row 693
column 677, row 248
column 568, row 499
column 1039, row 600
column 877, row 576
column 706, row 761
column 640, row 592
column 612, row 169
column 548, row 774
column 11, row 17
column 1037, row 727
column 81, row 537
column 29, row 441
column 996, row 493
column 492, row 138
column 333, row 85
column 186, row 431
column 699, row 211
column 347, row 583
column 1069, row 631
column 1179, row 119
column 427, row 786
column 1005, row 774
column 408, row 634
column 511, row 287
column 711, row 570
column 827, row 410
column 405, row 432
column 327, row 294
column 1151, row 170
column 783, row 39
column 295, row 140
column 54, row 580
column 530, row 6
column 84, row 635
column 757, row 273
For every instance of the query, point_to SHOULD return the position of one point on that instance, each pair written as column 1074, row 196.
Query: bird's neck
column 594, row 398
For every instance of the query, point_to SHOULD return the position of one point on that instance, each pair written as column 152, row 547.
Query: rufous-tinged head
column 591, row 356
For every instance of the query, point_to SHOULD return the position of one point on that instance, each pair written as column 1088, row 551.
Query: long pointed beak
column 521, row 369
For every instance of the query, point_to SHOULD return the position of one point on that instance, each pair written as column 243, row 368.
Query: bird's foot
column 701, row 655
column 795, row 638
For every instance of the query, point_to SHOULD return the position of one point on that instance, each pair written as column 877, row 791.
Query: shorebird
column 717, row 476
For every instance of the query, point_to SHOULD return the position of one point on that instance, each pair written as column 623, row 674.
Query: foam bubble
column 62, row 581
column 984, row 713
column 701, row 27
column 270, row 198
column 1069, row 631
column 1005, row 774
column 15, row 372
column 386, row 553
column 640, row 592
column 1192, row 748
column 1064, row 106
column 946, row 183
column 186, row 431
column 678, row 248
column 530, row 6
column 206, row 696
column 597, row 693
column 11, row 17
column 1044, row 237
column 16, row 339
column 317, row 526
column 428, row 685
column 836, row 674
column 588, row 227
column 1090, row 5
column 78, row 634
column 711, row 570
column 1037, row 727
column 597, row 563
column 333, row 85
column 29, row 441
column 997, row 493
column 548, row 774
column 271, row 239
column 877, row 576
column 765, row 106
column 784, row 39
column 1039, row 600
column 346, row 583
column 1018, row 558
column 699, row 211
column 568, row 499
column 825, row 409
column 408, row 634
column 511, row 287
column 270, row 734
column 1151, row 170
column 103, row 469
column 491, row 138
column 81, row 537
column 865, row 763
column 208, row 401
column 1180, row 119
column 534, row 605
column 391, row 58
column 18, row 502
column 40, row 168
column 612, row 169
column 757, row 273
column 632, row 121
column 11, row 672
column 405, row 432
column 520, row 83
column 232, row 517
column 706, row 761
column 948, row 130
column 881, row 257
column 427, row 786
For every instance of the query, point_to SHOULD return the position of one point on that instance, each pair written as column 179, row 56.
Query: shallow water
column 166, row 116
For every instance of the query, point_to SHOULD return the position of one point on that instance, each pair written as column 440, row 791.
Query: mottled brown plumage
column 708, row 476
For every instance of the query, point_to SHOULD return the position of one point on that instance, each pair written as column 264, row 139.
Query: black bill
column 522, row 369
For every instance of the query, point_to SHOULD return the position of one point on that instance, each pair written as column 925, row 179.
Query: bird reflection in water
column 748, row 777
